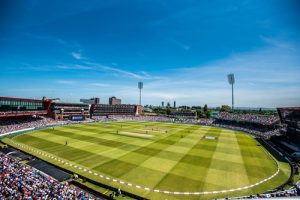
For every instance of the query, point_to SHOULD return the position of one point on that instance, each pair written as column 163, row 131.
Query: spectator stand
column 20, row 181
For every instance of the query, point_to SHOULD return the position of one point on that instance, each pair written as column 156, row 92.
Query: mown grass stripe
column 184, row 183
column 253, row 154
column 147, row 151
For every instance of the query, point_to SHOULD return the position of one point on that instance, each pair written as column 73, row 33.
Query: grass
column 101, row 190
column 177, row 158
column 1, row 145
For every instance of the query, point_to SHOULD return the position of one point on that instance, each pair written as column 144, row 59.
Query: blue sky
column 181, row 50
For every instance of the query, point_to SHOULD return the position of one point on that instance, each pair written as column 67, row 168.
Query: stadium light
column 140, row 86
column 231, row 81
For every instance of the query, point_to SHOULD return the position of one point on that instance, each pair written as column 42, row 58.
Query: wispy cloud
column 73, row 67
column 180, row 44
column 66, row 82
column 58, row 67
column 96, row 67
column 99, row 84
column 58, row 40
column 124, row 73
column 77, row 55
column 120, row 71
column 114, row 70
column 278, row 43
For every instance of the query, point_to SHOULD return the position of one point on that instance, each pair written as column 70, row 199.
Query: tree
column 207, row 114
column 200, row 114
column 225, row 108
column 168, row 111
column 205, row 108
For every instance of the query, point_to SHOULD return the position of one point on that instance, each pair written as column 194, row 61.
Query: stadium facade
column 21, row 107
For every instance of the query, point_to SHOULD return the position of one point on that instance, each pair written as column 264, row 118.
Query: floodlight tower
column 231, row 81
column 140, row 86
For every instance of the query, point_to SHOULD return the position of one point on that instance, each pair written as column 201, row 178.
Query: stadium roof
column 20, row 99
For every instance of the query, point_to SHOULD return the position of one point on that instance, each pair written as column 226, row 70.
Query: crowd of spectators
column 250, row 118
column 202, row 121
column 156, row 118
column 13, row 124
column 249, row 129
column 293, row 192
column 18, row 112
column 259, row 125
column 149, row 118
column 100, row 119
column 20, row 181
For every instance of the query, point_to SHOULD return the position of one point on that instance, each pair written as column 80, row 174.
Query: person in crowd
column 119, row 192
column 298, row 190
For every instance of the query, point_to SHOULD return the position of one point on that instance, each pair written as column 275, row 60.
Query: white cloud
column 278, row 43
column 121, row 72
column 100, row 84
column 55, row 39
column 74, row 67
column 66, row 82
column 77, row 55
column 58, row 67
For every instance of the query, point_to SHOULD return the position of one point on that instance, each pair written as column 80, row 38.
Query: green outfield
column 160, row 158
